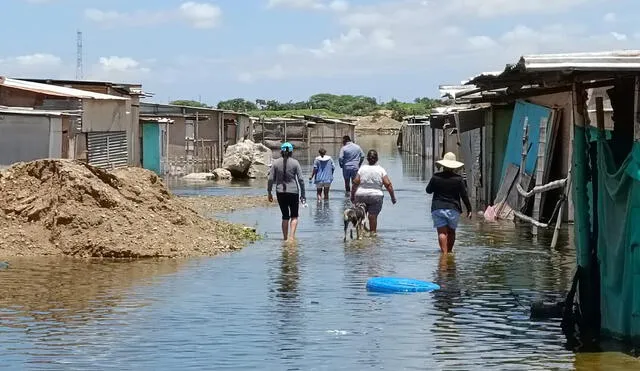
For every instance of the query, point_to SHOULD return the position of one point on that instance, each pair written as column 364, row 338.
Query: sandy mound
column 378, row 122
column 62, row 207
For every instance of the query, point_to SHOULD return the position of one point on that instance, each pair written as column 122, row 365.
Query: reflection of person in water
column 289, row 273
column 445, row 330
column 446, row 277
column 322, row 214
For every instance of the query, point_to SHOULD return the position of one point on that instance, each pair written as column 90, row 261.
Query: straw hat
column 449, row 161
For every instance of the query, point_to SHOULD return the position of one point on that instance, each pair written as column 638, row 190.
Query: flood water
column 303, row 307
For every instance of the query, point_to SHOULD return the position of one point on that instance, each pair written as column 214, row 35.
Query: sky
column 291, row 49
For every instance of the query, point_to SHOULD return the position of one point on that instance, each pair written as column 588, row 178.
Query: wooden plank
column 540, row 166
column 488, row 155
column 507, row 183
column 552, row 138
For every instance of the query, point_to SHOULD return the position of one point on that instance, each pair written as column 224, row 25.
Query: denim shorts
column 445, row 218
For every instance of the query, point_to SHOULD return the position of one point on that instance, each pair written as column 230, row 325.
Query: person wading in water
column 286, row 174
column 447, row 188
column 323, row 168
column 367, row 189
column 350, row 159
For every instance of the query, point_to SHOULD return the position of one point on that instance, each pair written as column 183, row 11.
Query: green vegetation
column 189, row 103
column 299, row 112
column 328, row 105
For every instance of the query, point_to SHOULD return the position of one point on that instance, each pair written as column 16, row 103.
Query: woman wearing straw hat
column 447, row 188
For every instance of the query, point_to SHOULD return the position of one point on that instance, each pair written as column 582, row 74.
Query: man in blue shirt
column 350, row 160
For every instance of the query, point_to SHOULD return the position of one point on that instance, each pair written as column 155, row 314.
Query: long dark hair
column 372, row 157
column 285, row 157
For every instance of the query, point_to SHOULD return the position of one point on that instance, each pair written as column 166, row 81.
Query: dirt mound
column 380, row 123
column 63, row 207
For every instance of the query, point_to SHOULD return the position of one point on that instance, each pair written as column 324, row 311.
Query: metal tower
column 79, row 73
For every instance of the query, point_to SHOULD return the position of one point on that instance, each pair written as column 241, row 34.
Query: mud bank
column 67, row 208
column 208, row 205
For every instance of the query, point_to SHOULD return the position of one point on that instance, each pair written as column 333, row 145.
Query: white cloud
column 482, row 42
column 296, row 4
column 201, row 15
column 417, row 35
column 339, row 6
column 334, row 5
column 39, row 59
column 36, row 65
column 619, row 36
column 610, row 17
column 120, row 64
column 197, row 15
column 115, row 68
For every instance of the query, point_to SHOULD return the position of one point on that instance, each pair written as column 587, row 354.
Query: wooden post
column 196, row 131
column 203, row 155
column 566, row 193
column 221, row 138
column 456, row 119
column 488, row 156
column 540, row 166
column 285, row 131
column 167, row 163
column 600, row 116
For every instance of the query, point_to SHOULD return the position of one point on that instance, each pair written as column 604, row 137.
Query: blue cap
column 287, row 147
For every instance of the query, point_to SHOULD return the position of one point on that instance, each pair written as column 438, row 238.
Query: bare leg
column 285, row 229
column 451, row 239
column 373, row 223
column 294, row 226
column 319, row 192
column 326, row 193
column 443, row 239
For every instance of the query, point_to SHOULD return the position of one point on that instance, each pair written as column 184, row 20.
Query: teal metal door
column 151, row 147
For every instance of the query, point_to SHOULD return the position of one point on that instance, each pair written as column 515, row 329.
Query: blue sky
column 290, row 49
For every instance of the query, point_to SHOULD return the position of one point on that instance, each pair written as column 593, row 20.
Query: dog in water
column 356, row 215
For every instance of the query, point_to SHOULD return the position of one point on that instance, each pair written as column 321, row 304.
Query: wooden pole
column 567, row 193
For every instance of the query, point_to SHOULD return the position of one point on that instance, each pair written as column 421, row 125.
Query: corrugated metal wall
column 23, row 138
column 107, row 150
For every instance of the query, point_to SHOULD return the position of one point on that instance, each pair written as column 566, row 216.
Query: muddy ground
column 67, row 208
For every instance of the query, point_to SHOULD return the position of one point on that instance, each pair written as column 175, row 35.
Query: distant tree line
column 341, row 105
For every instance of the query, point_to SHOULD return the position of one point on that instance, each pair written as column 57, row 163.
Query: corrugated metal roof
column 599, row 61
column 36, row 112
column 54, row 90
column 609, row 61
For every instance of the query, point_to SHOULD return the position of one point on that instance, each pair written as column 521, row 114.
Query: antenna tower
column 79, row 73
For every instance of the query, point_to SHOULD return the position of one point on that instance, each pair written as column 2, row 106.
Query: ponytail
column 285, row 180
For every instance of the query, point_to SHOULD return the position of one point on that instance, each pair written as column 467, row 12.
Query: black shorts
column 289, row 203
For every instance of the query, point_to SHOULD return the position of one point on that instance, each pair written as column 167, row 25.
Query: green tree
column 189, row 103
column 237, row 105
